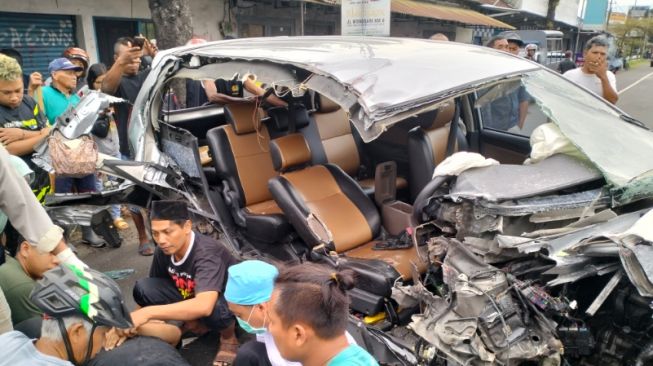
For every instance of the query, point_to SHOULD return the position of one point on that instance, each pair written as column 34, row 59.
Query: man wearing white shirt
column 594, row 75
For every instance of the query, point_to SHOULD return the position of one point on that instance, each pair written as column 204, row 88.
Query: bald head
column 439, row 37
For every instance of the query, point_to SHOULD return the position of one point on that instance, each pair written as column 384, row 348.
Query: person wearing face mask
column 248, row 292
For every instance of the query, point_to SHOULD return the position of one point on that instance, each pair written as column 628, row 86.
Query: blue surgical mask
column 248, row 328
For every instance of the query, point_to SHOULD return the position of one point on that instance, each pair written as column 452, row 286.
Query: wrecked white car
column 406, row 161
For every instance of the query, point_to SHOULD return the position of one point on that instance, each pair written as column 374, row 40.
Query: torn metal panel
column 578, row 201
column 587, row 271
column 620, row 224
column 603, row 295
column 483, row 324
column 637, row 260
column 511, row 182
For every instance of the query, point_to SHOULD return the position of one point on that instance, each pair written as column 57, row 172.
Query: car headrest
column 280, row 117
column 290, row 151
column 244, row 117
column 326, row 105
column 445, row 115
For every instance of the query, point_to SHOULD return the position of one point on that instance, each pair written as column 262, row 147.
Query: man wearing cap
column 57, row 97
column 514, row 42
column 249, row 288
column 60, row 94
column 187, row 278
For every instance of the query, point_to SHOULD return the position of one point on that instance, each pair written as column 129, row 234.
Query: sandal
column 146, row 249
column 227, row 353
column 120, row 224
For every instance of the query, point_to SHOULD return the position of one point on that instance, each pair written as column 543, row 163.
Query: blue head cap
column 250, row 282
column 62, row 63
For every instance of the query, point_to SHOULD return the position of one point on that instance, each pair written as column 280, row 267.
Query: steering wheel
column 422, row 198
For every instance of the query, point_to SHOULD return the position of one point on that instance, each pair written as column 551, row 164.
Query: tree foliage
column 632, row 35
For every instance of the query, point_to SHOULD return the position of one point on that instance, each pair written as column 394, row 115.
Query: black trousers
column 161, row 291
column 252, row 353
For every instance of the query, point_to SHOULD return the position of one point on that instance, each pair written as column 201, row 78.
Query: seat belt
column 453, row 129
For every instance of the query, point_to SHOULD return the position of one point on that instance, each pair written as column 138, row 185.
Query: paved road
column 635, row 86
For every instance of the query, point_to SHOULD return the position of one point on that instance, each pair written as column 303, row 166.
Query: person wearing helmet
column 80, row 58
column 531, row 50
column 79, row 306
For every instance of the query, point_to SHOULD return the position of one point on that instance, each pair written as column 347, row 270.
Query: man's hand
column 35, row 80
column 149, row 49
column 9, row 135
column 599, row 68
column 130, row 57
column 115, row 337
column 140, row 317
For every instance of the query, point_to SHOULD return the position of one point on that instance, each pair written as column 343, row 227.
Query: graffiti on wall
column 36, row 36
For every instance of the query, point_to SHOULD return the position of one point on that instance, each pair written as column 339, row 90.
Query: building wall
column 206, row 15
column 566, row 12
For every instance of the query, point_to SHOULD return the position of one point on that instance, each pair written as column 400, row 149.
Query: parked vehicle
column 485, row 261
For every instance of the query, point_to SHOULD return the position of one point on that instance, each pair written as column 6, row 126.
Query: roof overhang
column 447, row 13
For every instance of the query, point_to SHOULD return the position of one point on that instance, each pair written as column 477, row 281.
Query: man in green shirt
column 18, row 276
column 61, row 93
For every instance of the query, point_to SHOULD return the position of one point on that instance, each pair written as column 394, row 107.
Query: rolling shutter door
column 39, row 38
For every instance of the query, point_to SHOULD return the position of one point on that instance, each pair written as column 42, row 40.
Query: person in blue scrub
column 248, row 291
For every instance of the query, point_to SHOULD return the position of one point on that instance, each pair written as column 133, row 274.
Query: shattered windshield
column 615, row 146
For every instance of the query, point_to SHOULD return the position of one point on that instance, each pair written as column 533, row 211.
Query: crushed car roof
column 387, row 75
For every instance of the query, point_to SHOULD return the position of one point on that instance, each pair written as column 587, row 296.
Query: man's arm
column 608, row 87
column 26, row 146
column 200, row 306
column 523, row 112
column 112, row 80
column 608, row 90
column 23, row 210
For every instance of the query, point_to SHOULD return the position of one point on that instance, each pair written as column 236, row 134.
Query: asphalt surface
column 635, row 86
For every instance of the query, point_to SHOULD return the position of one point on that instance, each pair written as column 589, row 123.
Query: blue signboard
column 595, row 14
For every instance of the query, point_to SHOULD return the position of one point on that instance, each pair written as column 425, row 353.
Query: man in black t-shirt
column 187, row 278
column 566, row 64
column 125, row 81
column 22, row 124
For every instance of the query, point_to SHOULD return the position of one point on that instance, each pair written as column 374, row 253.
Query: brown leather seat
column 327, row 192
column 242, row 161
column 427, row 147
column 339, row 144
